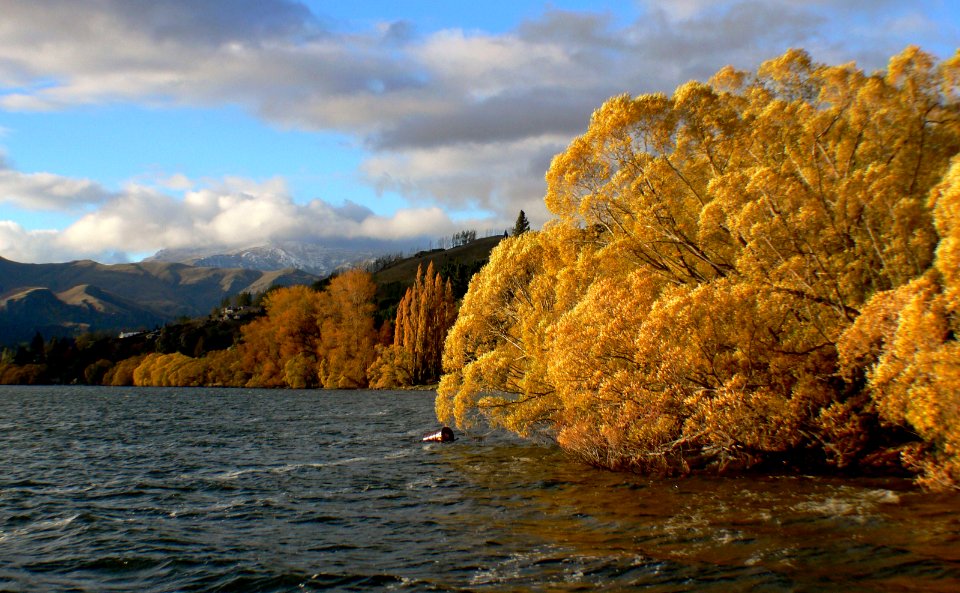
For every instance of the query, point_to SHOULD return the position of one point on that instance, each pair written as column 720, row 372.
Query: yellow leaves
column 494, row 353
column 729, row 80
column 945, row 201
column 424, row 317
column 913, row 71
column 950, row 78
column 793, row 67
column 698, row 298
column 306, row 339
column 906, row 344
column 347, row 336
column 391, row 368
column 170, row 370
column 300, row 371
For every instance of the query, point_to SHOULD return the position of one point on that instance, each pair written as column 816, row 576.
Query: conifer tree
column 522, row 225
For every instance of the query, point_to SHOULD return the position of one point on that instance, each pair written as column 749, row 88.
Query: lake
column 157, row 490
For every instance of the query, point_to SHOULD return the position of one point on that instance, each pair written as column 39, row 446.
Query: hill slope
column 404, row 271
column 457, row 264
column 61, row 299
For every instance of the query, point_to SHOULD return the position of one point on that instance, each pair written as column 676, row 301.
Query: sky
column 130, row 126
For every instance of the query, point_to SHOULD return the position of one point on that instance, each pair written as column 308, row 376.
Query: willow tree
column 710, row 249
column 905, row 343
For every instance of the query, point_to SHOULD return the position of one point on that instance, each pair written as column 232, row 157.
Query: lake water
column 154, row 490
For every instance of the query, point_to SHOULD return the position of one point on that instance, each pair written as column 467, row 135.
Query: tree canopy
column 736, row 275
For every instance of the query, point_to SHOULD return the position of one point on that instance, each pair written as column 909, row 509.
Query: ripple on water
column 159, row 490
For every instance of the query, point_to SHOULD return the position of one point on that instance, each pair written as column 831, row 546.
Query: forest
column 760, row 271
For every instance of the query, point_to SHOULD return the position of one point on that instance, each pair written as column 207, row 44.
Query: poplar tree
column 424, row 317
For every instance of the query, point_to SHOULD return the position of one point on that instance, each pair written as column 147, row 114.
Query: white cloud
column 481, row 66
column 19, row 244
column 234, row 212
column 177, row 182
column 472, row 176
column 678, row 10
column 47, row 191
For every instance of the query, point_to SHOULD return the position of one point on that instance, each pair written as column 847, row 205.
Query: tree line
column 307, row 337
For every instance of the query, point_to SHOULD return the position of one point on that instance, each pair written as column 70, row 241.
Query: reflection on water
column 232, row 490
column 753, row 533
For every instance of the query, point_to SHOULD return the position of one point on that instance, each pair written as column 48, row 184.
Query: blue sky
column 128, row 126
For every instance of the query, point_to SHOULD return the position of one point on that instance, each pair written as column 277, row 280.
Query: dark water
column 223, row 490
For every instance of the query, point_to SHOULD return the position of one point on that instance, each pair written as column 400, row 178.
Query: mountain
column 310, row 257
column 70, row 298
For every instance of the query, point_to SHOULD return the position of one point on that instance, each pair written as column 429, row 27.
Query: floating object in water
column 444, row 435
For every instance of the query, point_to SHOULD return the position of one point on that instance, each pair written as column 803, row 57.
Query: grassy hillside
column 457, row 264
column 404, row 271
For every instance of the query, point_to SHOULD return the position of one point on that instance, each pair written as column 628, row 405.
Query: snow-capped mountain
column 313, row 258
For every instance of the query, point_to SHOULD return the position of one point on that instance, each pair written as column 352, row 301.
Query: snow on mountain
column 313, row 258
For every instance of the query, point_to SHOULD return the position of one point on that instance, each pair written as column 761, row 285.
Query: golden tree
column 307, row 338
column 347, row 334
column 289, row 329
column 906, row 342
column 424, row 316
column 710, row 250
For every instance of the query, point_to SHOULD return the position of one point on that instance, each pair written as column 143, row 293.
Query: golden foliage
column 289, row 329
column 306, row 339
column 915, row 379
column 121, row 374
column 347, row 335
column 15, row 374
column 424, row 317
column 697, row 300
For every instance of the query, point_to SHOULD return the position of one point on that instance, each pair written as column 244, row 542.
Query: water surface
column 155, row 490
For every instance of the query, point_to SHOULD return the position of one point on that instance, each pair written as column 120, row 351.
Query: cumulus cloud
column 451, row 118
column 20, row 244
column 234, row 212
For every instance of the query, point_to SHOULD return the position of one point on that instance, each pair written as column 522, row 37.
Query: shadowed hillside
column 457, row 264
column 70, row 298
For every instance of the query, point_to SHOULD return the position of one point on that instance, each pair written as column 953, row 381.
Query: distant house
column 124, row 335
column 238, row 313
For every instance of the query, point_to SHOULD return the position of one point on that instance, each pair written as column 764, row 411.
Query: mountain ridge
column 83, row 295
column 312, row 258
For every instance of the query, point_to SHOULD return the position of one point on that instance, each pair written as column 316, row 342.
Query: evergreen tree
column 522, row 225
column 37, row 350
